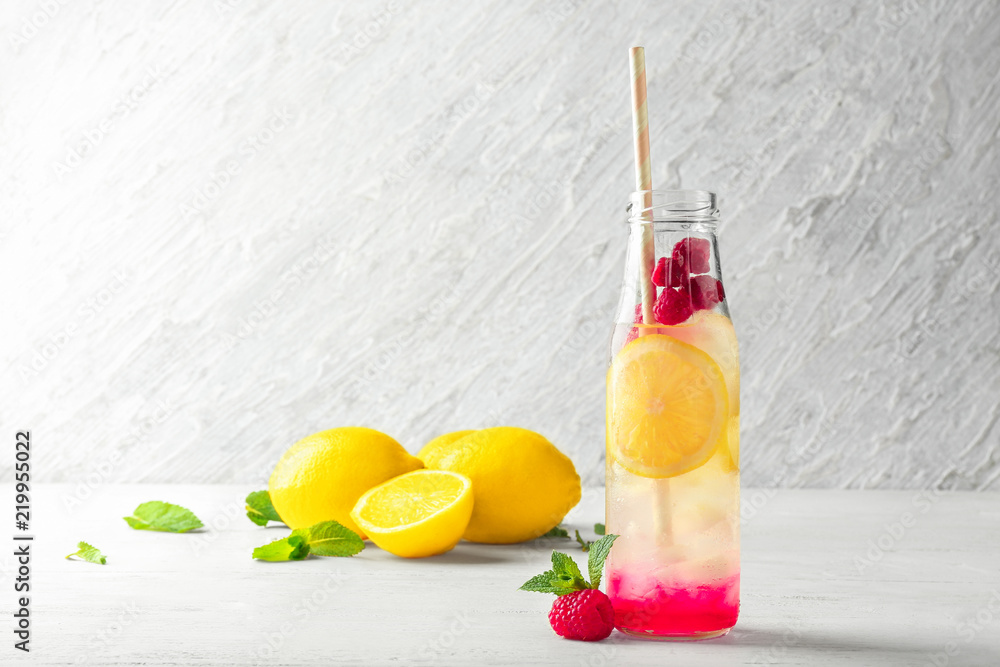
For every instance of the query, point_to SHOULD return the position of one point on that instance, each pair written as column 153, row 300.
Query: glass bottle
column 673, row 413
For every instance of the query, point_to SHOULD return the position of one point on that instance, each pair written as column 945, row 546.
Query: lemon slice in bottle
column 668, row 408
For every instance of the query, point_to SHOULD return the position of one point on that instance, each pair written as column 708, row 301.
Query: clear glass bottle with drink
column 673, row 413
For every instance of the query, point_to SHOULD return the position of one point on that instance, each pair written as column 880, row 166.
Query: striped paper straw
column 662, row 509
column 643, row 179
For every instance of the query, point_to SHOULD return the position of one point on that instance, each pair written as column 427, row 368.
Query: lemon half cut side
column 421, row 513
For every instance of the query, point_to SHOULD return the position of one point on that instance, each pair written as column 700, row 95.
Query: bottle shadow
column 772, row 643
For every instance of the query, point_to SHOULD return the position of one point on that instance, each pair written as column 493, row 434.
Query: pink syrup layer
column 674, row 609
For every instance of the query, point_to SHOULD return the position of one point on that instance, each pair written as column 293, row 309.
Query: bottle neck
column 673, row 207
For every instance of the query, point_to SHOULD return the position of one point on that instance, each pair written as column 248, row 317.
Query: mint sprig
column 328, row 538
column 292, row 547
column 164, row 517
column 565, row 576
column 599, row 528
column 599, row 551
column 557, row 531
column 89, row 553
column 259, row 508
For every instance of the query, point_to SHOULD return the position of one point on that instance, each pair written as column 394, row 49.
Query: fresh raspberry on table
column 692, row 254
column 581, row 611
column 586, row 615
column 673, row 306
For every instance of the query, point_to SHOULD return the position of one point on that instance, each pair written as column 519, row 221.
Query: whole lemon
column 439, row 445
column 522, row 485
column 321, row 477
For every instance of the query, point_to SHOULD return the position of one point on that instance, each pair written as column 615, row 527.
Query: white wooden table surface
column 829, row 578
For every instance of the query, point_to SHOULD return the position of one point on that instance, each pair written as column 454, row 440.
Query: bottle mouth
column 672, row 206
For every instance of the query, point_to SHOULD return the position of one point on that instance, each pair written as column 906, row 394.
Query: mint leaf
column 558, row 531
column 89, row 553
column 542, row 583
column 584, row 545
column 599, row 528
column 563, row 565
column 563, row 578
column 260, row 510
column 293, row 547
column 165, row 517
column 330, row 538
column 567, row 574
column 599, row 551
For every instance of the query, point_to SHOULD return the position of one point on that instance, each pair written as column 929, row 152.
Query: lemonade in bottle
column 673, row 411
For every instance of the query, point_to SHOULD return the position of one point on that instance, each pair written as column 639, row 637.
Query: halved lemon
column 421, row 513
column 668, row 408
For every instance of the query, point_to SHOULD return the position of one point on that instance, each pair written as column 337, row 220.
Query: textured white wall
column 228, row 225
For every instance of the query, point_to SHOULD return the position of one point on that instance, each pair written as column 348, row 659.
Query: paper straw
column 643, row 179
column 662, row 509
